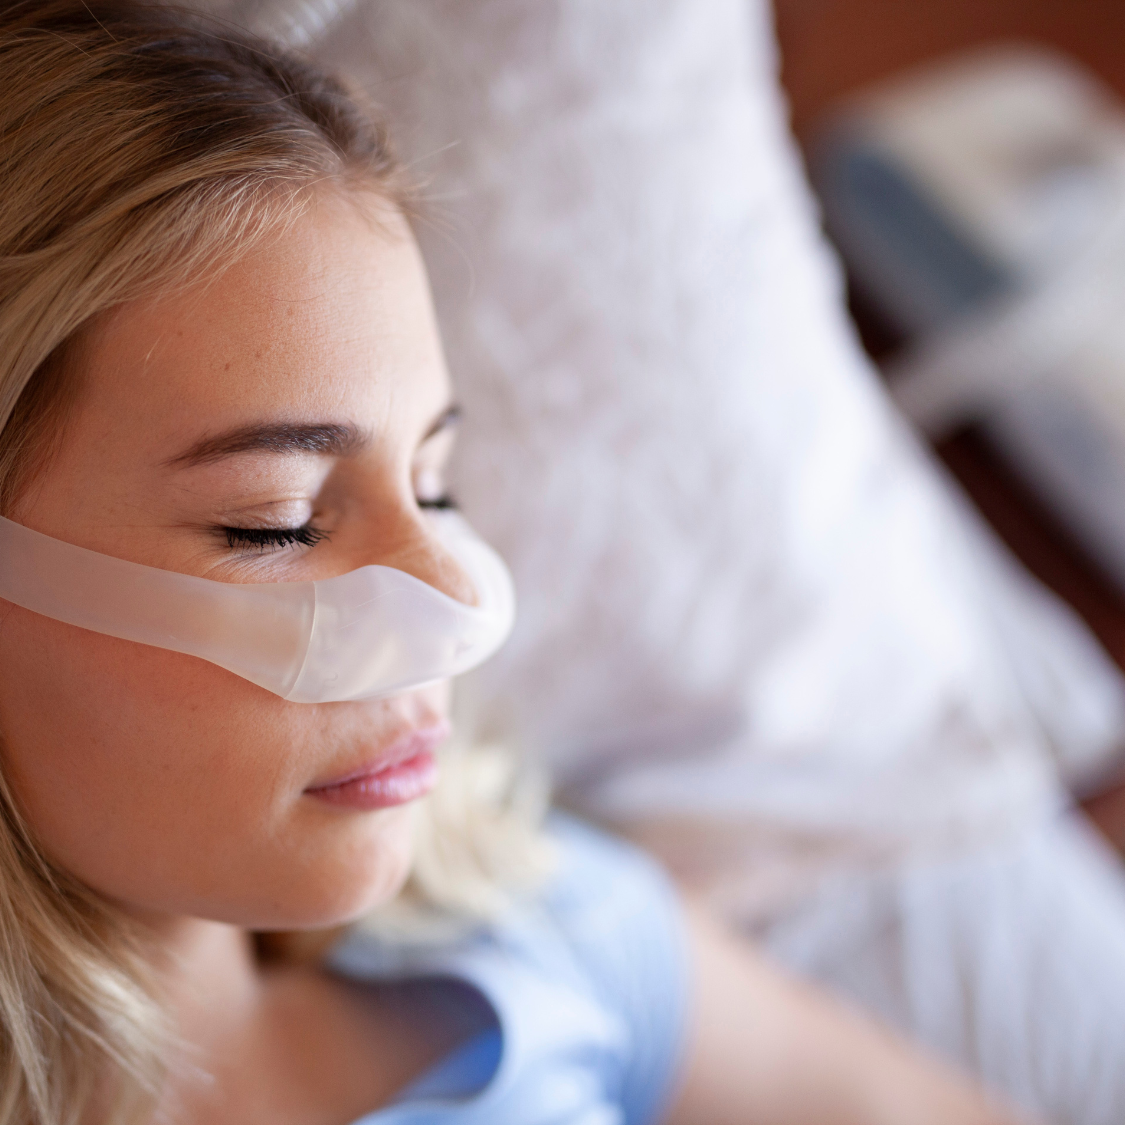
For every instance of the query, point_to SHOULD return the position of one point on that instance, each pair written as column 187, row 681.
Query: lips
column 403, row 772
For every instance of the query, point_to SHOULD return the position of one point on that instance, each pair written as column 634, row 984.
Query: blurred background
column 970, row 158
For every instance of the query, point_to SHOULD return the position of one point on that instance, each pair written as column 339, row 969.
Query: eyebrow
column 327, row 439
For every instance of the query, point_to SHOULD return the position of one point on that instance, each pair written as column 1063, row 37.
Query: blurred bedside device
column 980, row 206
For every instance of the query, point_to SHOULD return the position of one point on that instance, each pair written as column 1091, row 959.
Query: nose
column 422, row 552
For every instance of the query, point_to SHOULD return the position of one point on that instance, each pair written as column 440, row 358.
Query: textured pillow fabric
column 755, row 625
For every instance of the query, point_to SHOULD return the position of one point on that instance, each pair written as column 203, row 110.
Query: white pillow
column 754, row 626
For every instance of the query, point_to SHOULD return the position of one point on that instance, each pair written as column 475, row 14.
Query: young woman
column 232, row 599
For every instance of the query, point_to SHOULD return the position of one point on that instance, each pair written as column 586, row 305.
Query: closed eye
column 445, row 502
column 264, row 537
column 306, row 536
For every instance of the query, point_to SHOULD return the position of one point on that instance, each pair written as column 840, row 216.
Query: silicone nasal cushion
column 372, row 632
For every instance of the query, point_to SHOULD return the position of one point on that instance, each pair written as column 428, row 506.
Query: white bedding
column 1010, row 961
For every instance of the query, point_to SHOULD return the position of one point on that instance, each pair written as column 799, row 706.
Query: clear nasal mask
column 371, row 632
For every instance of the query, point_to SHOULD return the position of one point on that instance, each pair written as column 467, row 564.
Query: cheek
column 174, row 787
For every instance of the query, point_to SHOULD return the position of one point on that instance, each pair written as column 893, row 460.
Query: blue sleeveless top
column 588, row 987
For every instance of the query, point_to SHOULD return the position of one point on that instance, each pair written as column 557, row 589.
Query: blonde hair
column 142, row 148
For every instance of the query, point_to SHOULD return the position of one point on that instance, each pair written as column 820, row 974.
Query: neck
column 288, row 1043
column 211, row 987
column 206, row 968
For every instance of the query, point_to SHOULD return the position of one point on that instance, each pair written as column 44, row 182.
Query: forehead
column 330, row 320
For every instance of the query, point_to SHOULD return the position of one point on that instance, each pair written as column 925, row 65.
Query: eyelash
column 263, row 537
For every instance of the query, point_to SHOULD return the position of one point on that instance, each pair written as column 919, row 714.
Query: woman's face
column 304, row 388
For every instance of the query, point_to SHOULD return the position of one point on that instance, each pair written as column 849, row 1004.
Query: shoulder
column 595, row 865
column 620, row 915
column 614, row 906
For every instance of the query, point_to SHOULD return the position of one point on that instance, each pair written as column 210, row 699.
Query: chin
column 364, row 871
